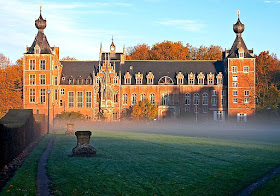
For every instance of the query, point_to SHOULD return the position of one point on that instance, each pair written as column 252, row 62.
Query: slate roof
column 158, row 68
column 239, row 42
column 41, row 40
column 169, row 68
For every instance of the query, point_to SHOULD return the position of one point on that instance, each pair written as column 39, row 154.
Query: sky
column 78, row 27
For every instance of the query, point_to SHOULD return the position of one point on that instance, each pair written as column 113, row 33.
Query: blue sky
column 78, row 27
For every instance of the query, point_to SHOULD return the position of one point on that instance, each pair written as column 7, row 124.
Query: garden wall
column 17, row 130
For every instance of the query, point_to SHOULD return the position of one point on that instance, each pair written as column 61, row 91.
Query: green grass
column 24, row 180
column 271, row 188
column 130, row 163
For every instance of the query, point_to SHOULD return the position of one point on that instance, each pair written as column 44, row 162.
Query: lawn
column 135, row 163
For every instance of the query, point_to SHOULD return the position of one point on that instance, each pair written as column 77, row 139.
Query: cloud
column 272, row 1
column 186, row 25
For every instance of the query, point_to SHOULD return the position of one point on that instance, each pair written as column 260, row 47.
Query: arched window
column 116, row 97
column 165, row 99
column 125, row 99
column 187, row 99
column 152, row 98
column 133, row 99
column 143, row 96
column 165, row 80
column 196, row 98
column 204, row 99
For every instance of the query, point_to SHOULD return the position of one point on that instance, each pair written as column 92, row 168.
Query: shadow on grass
column 148, row 164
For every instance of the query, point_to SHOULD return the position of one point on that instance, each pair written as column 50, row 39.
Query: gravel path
column 250, row 189
column 42, row 177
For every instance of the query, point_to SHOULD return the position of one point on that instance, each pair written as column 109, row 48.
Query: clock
column 112, row 48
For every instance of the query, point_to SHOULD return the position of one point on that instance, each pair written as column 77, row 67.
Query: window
column 223, row 101
column 180, row 80
column 138, row 80
column 235, row 78
column 31, row 95
column 187, row 109
column 246, row 99
column 116, row 97
column 241, row 117
column 152, row 98
column 246, row 93
column 42, row 65
column 133, row 99
column 234, row 84
column 165, row 98
column 219, row 81
column 62, row 92
column 63, row 78
column 210, row 81
column 204, row 99
column 235, row 93
column 246, row 69
column 127, row 81
column 32, row 79
column 241, row 54
column 191, row 80
column 124, row 99
column 55, row 94
column 115, row 116
column 115, row 80
column 143, row 96
column 79, row 99
column 214, row 93
column 55, row 67
column 165, row 80
column 187, row 99
column 55, row 80
column 235, row 100
column 88, row 99
column 70, row 99
column 42, row 79
column 195, row 98
column 205, row 109
column 98, row 80
column 234, row 69
column 43, row 95
column 214, row 101
column 200, row 81
column 60, row 103
column 150, row 81
column 32, row 64
column 223, row 93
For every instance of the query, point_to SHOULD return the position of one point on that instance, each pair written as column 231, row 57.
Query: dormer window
column 210, row 79
column 220, row 78
column 191, row 78
column 241, row 52
column 139, row 78
column 127, row 78
column 180, row 78
column 63, row 78
column 150, row 78
column 165, row 80
column 36, row 49
column 200, row 78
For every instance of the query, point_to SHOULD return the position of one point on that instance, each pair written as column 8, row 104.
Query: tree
column 144, row 110
column 71, row 116
column 11, row 83
column 139, row 52
column 68, row 58
column 4, row 61
column 169, row 50
column 209, row 53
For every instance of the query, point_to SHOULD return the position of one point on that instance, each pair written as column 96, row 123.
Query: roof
column 161, row 68
column 41, row 40
column 76, row 69
column 238, row 43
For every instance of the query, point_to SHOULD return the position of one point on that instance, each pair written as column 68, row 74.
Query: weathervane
column 238, row 12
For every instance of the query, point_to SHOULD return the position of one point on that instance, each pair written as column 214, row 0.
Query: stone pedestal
column 70, row 129
column 83, row 148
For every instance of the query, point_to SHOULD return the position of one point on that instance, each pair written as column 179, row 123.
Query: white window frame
column 32, row 95
column 133, row 99
column 152, row 98
column 234, row 78
column 191, row 81
column 142, row 96
column 32, row 80
column 246, row 93
column 246, row 69
column 187, row 99
column 235, row 100
column 125, row 98
column 31, row 65
column 62, row 91
column 235, row 84
column 150, row 80
column 42, row 95
column 88, row 99
column 80, row 101
column 71, row 99
column 42, row 64
column 234, row 69
column 42, row 77
column 246, row 99
column 235, row 92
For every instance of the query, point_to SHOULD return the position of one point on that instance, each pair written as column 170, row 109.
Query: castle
column 212, row 90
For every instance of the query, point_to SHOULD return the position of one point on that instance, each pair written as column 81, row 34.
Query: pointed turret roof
column 239, row 43
column 40, row 39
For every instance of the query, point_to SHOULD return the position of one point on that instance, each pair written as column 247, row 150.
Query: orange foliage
column 144, row 110
column 139, row 52
column 11, row 87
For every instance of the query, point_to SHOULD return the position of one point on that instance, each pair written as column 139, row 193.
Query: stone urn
column 70, row 129
column 83, row 148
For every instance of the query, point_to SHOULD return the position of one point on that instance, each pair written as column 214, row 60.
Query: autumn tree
column 4, row 61
column 169, row 50
column 267, row 79
column 208, row 53
column 144, row 110
column 68, row 58
column 139, row 52
column 11, row 80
